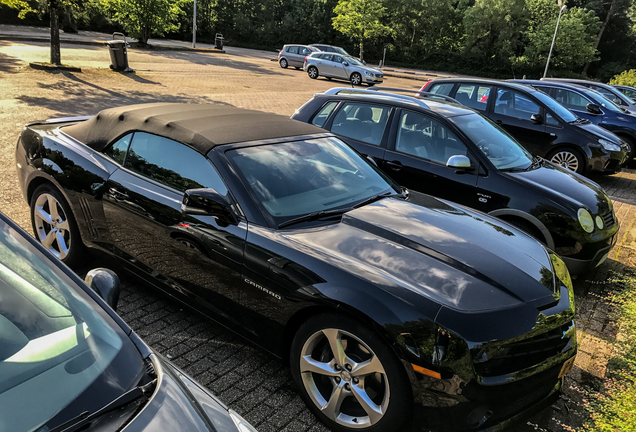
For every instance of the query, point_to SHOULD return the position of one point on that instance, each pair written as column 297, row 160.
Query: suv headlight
column 585, row 219
column 608, row 145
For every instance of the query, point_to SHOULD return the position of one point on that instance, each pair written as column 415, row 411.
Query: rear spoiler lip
column 59, row 120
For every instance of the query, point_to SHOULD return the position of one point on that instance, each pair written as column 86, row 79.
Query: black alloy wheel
column 348, row 376
column 54, row 225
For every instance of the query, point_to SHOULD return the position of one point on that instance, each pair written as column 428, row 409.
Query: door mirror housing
column 459, row 161
column 536, row 118
column 593, row 109
column 208, row 202
column 344, row 63
column 106, row 284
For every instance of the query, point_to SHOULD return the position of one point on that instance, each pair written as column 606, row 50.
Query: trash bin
column 118, row 53
column 219, row 41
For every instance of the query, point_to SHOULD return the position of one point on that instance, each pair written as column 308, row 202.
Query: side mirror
column 536, row 118
column 106, row 284
column 593, row 109
column 370, row 159
column 345, row 63
column 208, row 202
column 364, row 62
column 458, row 161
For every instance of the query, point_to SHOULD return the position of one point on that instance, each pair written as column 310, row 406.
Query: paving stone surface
column 253, row 382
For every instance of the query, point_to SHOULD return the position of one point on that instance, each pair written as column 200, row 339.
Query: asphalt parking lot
column 251, row 381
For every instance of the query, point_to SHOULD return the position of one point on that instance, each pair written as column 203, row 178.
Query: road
column 253, row 382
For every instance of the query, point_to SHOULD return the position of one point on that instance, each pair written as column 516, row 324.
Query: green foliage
column 145, row 18
column 614, row 409
column 23, row 6
column 360, row 20
column 626, row 78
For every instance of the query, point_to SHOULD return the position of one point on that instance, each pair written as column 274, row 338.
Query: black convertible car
column 389, row 312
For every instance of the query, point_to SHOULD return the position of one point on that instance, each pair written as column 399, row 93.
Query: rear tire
column 283, row 63
column 568, row 158
column 365, row 389
column 312, row 71
column 54, row 225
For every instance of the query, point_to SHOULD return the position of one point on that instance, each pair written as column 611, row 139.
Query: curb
column 52, row 67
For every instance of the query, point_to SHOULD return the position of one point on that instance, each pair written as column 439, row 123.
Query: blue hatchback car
column 593, row 106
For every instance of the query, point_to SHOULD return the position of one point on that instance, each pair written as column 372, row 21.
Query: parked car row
column 391, row 306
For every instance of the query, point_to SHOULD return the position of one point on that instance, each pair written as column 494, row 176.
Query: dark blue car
column 593, row 106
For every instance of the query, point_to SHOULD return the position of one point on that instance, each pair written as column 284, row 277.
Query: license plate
column 567, row 366
column 380, row 80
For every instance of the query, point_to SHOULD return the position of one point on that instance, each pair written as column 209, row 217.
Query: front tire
column 348, row 377
column 54, row 225
column 568, row 158
column 356, row 78
column 283, row 63
column 313, row 72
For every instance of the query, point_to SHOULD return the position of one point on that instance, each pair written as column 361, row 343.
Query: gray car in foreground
column 342, row 67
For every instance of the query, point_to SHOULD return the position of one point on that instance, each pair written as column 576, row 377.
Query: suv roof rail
column 412, row 99
column 416, row 95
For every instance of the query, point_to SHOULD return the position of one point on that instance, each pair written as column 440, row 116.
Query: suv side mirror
column 208, row 202
column 593, row 109
column 106, row 284
column 536, row 118
column 459, row 162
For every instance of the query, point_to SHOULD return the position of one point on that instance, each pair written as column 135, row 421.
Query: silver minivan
column 294, row 55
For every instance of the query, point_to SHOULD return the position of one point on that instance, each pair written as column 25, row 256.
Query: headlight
column 368, row 73
column 586, row 221
column 561, row 271
column 241, row 424
column 608, row 145
column 599, row 222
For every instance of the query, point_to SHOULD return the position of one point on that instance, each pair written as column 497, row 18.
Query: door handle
column 395, row 165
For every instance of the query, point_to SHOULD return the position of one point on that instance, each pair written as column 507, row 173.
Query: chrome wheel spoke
column 308, row 364
column 373, row 365
column 61, row 244
column 47, row 241
column 335, row 343
column 373, row 410
column 332, row 407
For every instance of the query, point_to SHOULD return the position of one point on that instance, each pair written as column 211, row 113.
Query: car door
column 192, row 255
column 416, row 158
column 339, row 70
column 512, row 110
column 361, row 125
column 292, row 55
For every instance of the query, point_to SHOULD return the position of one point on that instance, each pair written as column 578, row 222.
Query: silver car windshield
column 54, row 344
column 354, row 61
column 297, row 178
column 500, row 148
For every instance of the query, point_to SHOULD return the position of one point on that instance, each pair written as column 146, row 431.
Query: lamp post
column 564, row 7
column 194, row 26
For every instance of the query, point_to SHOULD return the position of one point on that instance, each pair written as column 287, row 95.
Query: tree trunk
column 56, row 58
column 610, row 12
column 361, row 49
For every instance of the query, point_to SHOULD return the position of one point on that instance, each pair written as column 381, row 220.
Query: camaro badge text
column 254, row 284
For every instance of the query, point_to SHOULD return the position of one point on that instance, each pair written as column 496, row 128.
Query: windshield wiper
column 313, row 216
column 375, row 198
column 85, row 417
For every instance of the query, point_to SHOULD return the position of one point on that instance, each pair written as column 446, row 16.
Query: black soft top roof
column 200, row 126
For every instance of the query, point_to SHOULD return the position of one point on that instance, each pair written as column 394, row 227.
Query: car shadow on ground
column 83, row 97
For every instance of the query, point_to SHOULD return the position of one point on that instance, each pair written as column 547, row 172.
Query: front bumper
column 607, row 161
column 372, row 79
column 578, row 266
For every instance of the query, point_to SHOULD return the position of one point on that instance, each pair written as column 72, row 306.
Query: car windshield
column 601, row 100
column 561, row 111
column 293, row 179
column 60, row 353
column 353, row 61
column 495, row 143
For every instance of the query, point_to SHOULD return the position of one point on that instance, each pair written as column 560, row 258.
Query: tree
column 360, row 20
column 144, row 18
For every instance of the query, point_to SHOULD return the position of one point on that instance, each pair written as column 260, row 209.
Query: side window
column 337, row 59
column 545, row 90
column 363, row 122
column 327, row 57
column 629, row 93
column 293, row 50
column 117, row 151
column 549, row 120
column 172, row 164
column 320, row 118
column 305, row 51
column 427, row 138
column 570, row 99
column 444, row 88
column 473, row 96
column 514, row 104
column 611, row 96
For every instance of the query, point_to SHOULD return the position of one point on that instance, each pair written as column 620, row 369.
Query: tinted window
column 514, row 104
column 628, row 92
column 608, row 94
column 117, row 151
column 556, row 107
column 550, row 120
column 422, row 136
column 473, row 96
column 495, row 143
column 570, row 99
column 337, row 59
column 363, row 122
column 444, row 89
column 172, row 163
column 320, row 118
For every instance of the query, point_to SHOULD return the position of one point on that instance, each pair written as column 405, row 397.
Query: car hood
column 598, row 132
column 456, row 257
column 566, row 187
